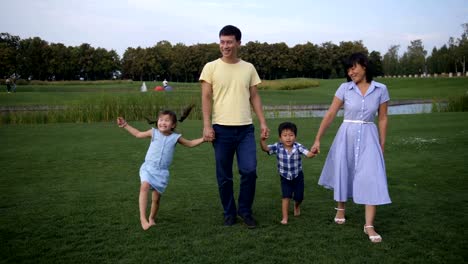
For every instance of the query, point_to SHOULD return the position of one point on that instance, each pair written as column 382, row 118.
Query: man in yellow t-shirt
column 229, row 89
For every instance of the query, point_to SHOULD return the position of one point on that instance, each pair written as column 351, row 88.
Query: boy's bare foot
column 145, row 224
column 284, row 221
column 297, row 211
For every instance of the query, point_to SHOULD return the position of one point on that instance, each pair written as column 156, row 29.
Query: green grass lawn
column 399, row 88
column 69, row 194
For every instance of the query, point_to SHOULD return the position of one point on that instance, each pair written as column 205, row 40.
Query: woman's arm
column 326, row 121
column 383, row 120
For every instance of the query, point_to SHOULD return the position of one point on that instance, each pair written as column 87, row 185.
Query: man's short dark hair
column 230, row 30
column 287, row 126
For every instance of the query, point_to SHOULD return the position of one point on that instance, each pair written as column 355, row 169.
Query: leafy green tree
column 328, row 57
column 461, row 52
column 390, row 61
column 59, row 62
column 163, row 56
column 414, row 59
column 104, row 63
column 179, row 68
column 8, row 50
column 259, row 55
column 376, row 59
column 33, row 58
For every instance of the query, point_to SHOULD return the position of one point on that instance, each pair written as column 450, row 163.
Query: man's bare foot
column 284, row 221
column 297, row 210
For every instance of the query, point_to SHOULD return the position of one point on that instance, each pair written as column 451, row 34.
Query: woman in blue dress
column 154, row 172
column 355, row 166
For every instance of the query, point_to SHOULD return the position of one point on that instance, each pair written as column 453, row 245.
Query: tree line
column 34, row 58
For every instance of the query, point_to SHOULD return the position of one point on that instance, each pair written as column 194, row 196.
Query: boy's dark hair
column 361, row 59
column 230, row 30
column 287, row 126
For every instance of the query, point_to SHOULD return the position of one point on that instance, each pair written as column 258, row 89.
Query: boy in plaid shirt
column 288, row 153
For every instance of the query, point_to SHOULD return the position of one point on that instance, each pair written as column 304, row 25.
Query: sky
column 119, row 24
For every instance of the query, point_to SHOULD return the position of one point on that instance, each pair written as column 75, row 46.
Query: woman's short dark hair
column 287, row 126
column 230, row 30
column 361, row 59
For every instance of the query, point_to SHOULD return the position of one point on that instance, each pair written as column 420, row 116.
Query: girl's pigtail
column 186, row 112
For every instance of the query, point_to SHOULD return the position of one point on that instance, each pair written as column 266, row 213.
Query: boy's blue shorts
column 293, row 189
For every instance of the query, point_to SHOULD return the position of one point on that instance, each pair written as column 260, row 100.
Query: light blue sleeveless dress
column 155, row 169
column 355, row 166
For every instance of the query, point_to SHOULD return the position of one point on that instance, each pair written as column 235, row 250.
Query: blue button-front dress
column 155, row 169
column 355, row 166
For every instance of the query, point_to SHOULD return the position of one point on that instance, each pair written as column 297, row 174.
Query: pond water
column 402, row 109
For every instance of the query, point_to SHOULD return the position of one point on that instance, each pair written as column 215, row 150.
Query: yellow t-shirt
column 231, row 91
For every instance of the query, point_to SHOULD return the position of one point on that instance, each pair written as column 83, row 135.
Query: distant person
column 154, row 173
column 229, row 89
column 355, row 166
column 13, row 85
column 166, row 86
column 8, row 85
column 288, row 154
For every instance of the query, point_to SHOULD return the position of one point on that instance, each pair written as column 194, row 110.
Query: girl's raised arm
column 137, row 133
column 190, row 143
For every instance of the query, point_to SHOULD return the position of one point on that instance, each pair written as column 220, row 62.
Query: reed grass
column 288, row 84
column 106, row 107
column 453, row 104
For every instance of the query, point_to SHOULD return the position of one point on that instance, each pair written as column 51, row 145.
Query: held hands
column 121, row 122
column 208, row 134
column 265, row 132
column 315, row 148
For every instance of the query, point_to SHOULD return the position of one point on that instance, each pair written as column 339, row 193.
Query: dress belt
column 357, row 121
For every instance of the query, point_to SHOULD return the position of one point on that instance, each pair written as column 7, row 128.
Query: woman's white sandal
column 373, row 239
column 340, row 221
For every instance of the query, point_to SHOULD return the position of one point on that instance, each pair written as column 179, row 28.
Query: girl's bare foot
column 284, row 221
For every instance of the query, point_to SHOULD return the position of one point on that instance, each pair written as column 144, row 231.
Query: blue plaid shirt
column 289, row 164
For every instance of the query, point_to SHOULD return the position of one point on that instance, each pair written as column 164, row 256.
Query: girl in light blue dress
column 355, row 166
column 154, row 172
